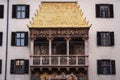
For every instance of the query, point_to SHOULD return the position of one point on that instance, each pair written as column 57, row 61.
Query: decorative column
column 85, row 38
column 32, row 45
column 50, row 48
column 31, row 50
column 86, row 51
column 67, row 47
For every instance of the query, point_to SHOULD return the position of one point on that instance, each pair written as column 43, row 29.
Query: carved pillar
column 32, row 39
column 86, row 47
column 50, row 49
column 85, row 38
column 50, row 45
column 68, row 46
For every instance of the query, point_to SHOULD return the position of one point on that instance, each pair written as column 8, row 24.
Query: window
column 20, row 11
column 1, row 11
column 59, row 46
column 19, row 66
column 105, row 38
column 1, row 34
column 106, row 67
column 0, row 66
column 19, row 39
column 104, row 11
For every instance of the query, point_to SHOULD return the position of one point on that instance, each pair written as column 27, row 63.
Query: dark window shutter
column 26, row 70
column 99, row 38
column 27, row 11
column 13, row 39
column 111, row 11
column 97, row 10
column 99, row 70
column 12, row 66
column 1, row 34
column 1, row 11
column 26, row 38
column 113, row 67
column 0, row 66
column 112, row 38
column 14, row 11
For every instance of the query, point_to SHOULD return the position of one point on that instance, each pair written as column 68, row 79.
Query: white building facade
column 82, row 44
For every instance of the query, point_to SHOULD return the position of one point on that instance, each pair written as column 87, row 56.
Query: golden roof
column 59, row 14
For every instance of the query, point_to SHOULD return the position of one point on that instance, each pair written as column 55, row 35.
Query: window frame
column 19, row 67
column 14, row 39
column 102, row 66
column 20, row 11
column 108, row 38
column 104, row 11
column 110, row 11
column 15, row 11
column 16, row 65
column 20, row 40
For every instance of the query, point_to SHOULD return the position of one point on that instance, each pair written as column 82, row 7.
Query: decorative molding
column 59, row 32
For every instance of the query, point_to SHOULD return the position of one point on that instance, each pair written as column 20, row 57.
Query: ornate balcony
column 59, row 60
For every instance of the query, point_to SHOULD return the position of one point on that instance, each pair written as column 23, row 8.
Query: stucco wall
column 95, row 52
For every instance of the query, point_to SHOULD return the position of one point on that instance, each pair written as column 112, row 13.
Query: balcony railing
column 59, row 60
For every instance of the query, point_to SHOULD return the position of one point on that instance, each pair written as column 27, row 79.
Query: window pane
column 18, row 8
column 21, row 62
column 18, row 14
column 22, row 35
column 17, row 63
column 18, row 42
column 23, row 7
column 18, row 35
column 22, row 42
column 22, row 14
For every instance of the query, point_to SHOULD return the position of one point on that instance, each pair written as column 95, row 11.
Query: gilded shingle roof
column 59, row 14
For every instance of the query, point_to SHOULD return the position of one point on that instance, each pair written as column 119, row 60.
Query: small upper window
column 20, row 11
column 1, row 11
column 19, row 39
column 105, row 38
column 104, row 11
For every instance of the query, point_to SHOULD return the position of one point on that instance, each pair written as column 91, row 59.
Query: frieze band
column 59, row 32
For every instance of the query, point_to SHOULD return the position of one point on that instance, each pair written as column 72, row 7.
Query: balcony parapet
column 59, row 60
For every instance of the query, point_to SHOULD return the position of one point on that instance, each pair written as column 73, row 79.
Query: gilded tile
column 59, row 14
